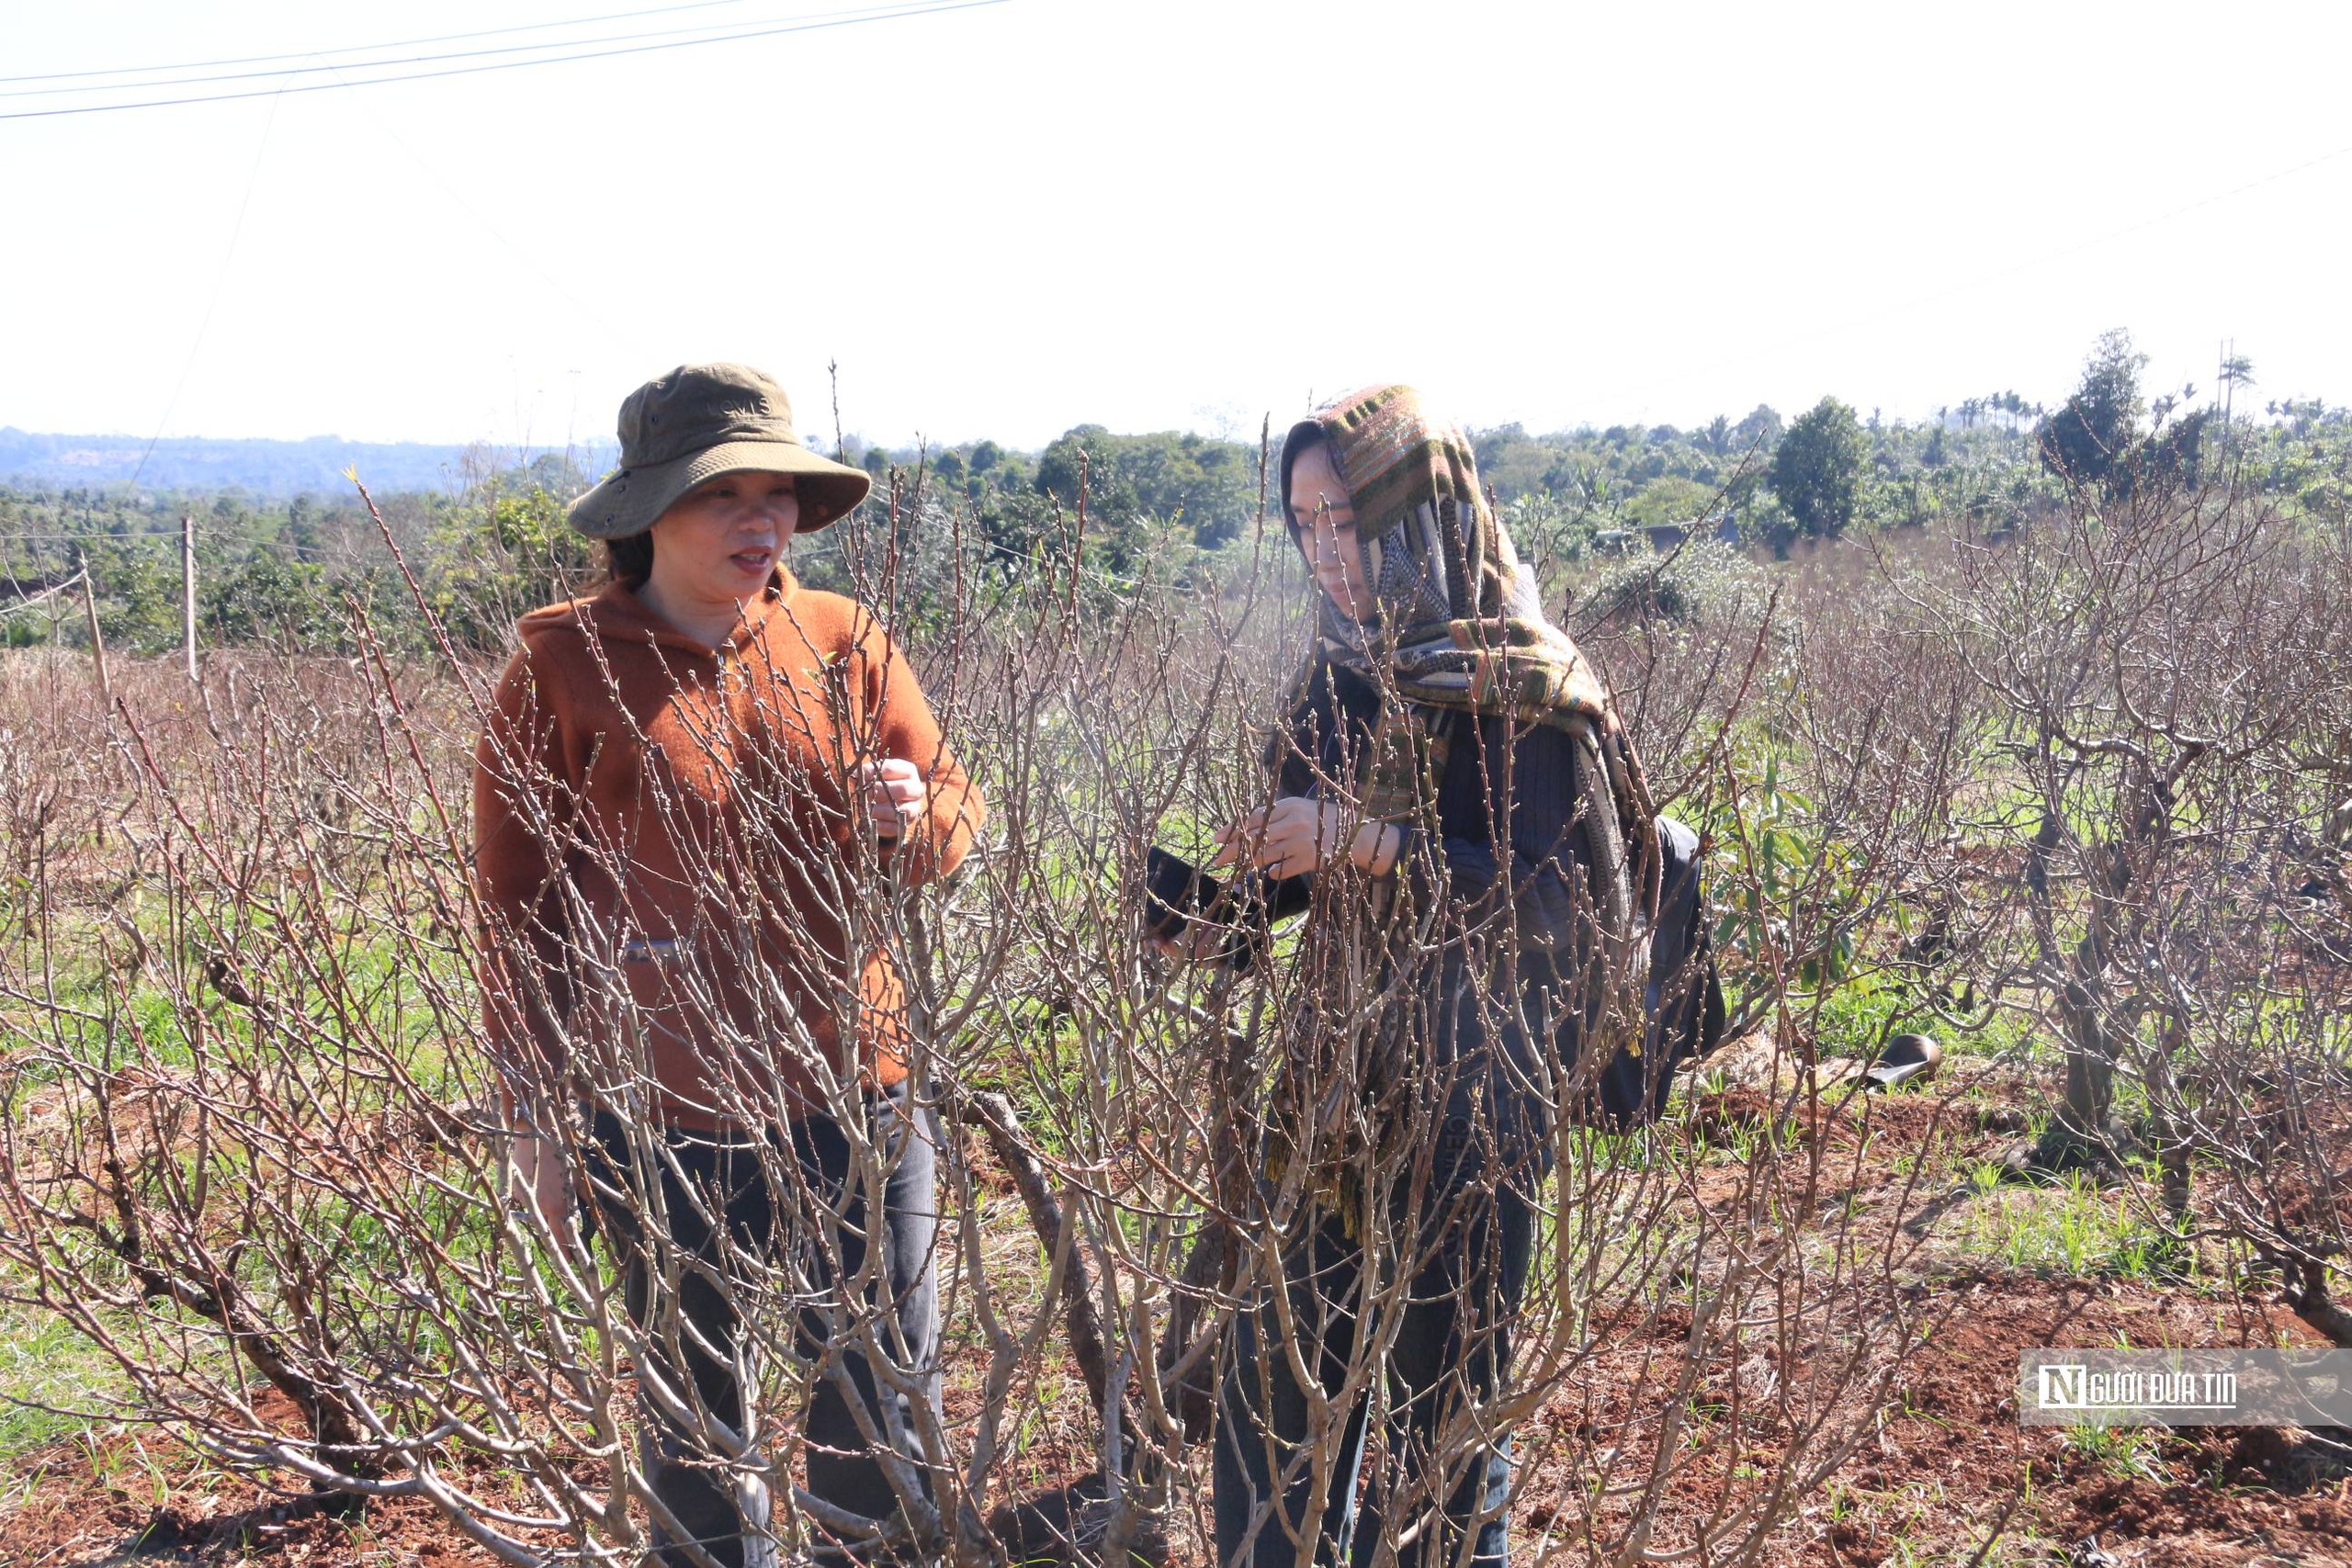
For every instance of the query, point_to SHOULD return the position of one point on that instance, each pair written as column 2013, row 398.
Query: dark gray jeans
column 726, row 1510
column 1453, row 1344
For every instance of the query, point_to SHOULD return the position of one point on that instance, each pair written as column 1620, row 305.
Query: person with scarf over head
column 1454, row 806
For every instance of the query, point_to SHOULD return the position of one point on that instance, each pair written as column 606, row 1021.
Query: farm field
column 1997, row 1267
column 2061, row 783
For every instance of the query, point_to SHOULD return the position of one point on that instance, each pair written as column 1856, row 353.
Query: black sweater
column 1499, row 771
column 1527, row 779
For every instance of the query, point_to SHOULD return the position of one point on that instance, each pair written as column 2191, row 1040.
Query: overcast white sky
column 1008, row 219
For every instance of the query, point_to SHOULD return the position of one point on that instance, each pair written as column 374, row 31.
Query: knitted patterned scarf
column 1459, row 623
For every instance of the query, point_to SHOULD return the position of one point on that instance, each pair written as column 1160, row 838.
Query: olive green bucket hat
column 695, row 424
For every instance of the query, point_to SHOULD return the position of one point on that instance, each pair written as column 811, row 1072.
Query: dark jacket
column 1504, row 1008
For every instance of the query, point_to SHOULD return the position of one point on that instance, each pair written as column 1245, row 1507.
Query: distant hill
column 261, row 467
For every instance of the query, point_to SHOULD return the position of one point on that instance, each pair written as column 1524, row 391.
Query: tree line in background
column 493, row 543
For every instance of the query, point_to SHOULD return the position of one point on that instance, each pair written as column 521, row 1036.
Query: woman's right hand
column 1298, row 835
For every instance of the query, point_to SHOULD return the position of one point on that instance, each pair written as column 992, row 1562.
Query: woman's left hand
column 895, row 795
column 540, row 1180
column 1298, row 835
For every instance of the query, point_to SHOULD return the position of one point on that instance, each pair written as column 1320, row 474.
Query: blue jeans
column 727, row 1511
column 1453, row 1344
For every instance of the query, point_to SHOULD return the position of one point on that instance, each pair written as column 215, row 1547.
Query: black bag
column 1683, row 1002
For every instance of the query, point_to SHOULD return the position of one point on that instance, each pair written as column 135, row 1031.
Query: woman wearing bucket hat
column 699, row 794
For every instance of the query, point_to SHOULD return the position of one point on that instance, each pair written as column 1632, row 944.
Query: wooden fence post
column 97, row 639
column 187, row 590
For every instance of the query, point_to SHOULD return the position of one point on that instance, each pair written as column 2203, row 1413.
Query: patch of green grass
column 1985, row 1177
column 2128, row 1453
column 2073, row 1226
column 2022, row 1549
column 43, row 1362
column 1858, row 1017
column 131, row 1468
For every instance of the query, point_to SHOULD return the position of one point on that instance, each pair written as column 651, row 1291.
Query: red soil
column 1947, row 1459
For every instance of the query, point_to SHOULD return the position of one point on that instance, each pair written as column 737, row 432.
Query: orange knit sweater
column 673, row 858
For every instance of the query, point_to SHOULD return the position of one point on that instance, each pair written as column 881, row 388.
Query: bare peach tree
column 252, row 1142
column 2164, row 672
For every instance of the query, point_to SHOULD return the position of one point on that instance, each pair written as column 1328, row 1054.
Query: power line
column 337, row 67
column 367, row 47
column 136, row 536
column 232, row 548
column 27, row 601
column 208, row 536
column 219, row 284
column 894, row 14
column 84, row 538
